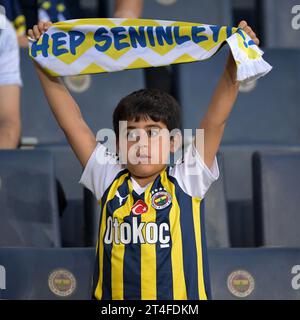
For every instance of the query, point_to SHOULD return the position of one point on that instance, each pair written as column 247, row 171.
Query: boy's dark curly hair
column 148, row 103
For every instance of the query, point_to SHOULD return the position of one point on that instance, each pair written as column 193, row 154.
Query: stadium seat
column 46, row 274
column 276, row 20
column 92, row 216
column 255, row 274
column 37, row 120
column 268, row 113
column 276, row 185
column 96, row 95
column 28, row 199
column 236, row 274
column 68, row 171
column 238, row 187
column 210, row 12
column 217, row 229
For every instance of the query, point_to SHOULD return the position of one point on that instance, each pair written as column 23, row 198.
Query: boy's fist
column 244, row 26
column 38, row 30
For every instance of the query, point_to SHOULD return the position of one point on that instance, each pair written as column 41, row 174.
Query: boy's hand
column 244, row 26
column 231, row 68
column 38, row 30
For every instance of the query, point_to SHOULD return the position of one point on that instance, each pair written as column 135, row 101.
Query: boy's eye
column 133, row 134
column 153, row 133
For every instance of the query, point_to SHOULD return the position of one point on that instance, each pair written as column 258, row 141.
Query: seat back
column 254, row 274
column 265, row 112
column 28, row 199
column 239, row 186
column 68, row 170
column 280, row 31
column 46, row 274
column 276, row 189
column 216, row 223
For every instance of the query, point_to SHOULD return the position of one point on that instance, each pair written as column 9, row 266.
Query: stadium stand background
column 252, row 218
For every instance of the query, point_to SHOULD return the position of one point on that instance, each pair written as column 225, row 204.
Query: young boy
column 151, row 241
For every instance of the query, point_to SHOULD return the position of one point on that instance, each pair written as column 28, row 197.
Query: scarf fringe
column 253, row 70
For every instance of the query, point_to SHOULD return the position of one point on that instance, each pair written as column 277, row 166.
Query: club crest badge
column 62, row 282
column 241, row 283
column 139, row 207
column 160, row 199
column 78, row 84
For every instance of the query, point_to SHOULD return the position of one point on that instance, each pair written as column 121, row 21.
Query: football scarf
column 88, row 46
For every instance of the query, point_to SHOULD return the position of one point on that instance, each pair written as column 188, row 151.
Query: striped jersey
column 151, row 242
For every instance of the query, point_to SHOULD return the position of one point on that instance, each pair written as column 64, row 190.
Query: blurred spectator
column 29, row 9
column 128, row 8
column 15, row 15
column 10, row 82
column 54, row 10
column 26, row 13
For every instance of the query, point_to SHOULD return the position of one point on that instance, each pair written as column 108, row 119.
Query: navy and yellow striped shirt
column 151, row 241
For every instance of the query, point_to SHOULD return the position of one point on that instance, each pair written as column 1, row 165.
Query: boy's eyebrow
column 146, row 127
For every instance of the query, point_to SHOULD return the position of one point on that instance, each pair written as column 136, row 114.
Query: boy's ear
column 176, row 142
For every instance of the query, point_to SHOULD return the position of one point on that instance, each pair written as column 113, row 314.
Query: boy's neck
column 143, row 181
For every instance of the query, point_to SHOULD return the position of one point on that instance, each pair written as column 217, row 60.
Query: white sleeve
column 9, row 56
column 192, row 174
column 100, row 171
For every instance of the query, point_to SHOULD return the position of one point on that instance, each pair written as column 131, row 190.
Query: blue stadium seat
column 276, row 20
column 92, row 218
column 237, row 160
column 97, row 96
column 37, row 120
column 216, row 223
column 68, row 171
column 276, row 185
column 28, row 199
column 209, row 12
column 236, row 274
column 46, row 274
column 267, row 114
column 272, row 274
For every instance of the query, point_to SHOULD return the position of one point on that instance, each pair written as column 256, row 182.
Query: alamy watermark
column 296, row 17
column 296, row 278
column 2, row 278
column 2, row 18
column 151, row 145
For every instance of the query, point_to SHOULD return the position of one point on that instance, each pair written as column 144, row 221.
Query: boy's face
column 145, row 145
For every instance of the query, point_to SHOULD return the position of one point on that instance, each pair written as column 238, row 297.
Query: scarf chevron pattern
column 88, row 46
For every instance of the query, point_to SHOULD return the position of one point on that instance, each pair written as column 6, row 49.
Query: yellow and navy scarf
column 87, row 46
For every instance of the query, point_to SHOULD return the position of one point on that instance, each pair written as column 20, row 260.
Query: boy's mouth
column 143, row 158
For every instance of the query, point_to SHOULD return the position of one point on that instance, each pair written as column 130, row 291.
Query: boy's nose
column 142, row 148
column 142, row 141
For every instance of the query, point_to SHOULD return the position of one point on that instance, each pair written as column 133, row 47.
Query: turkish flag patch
column 139, row 207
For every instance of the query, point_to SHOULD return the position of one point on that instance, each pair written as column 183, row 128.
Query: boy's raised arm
column 221, row 105
column 65, row 109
